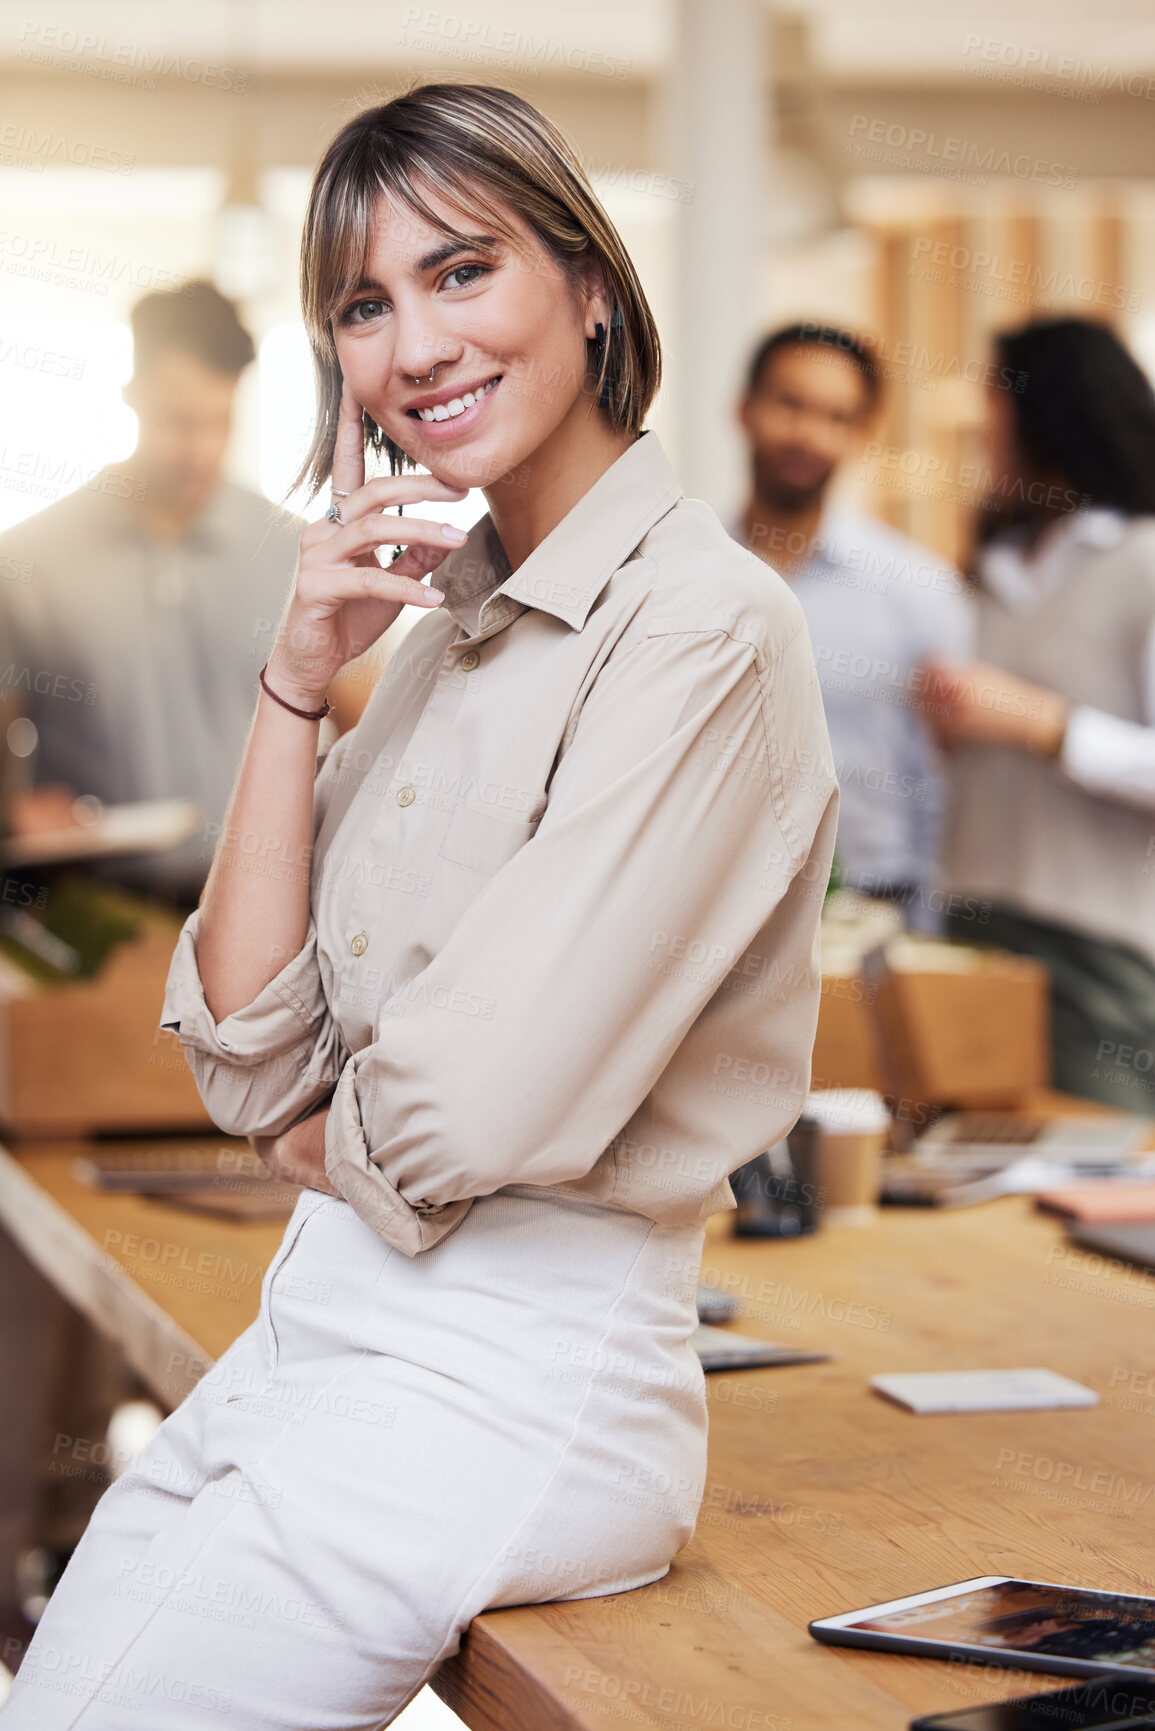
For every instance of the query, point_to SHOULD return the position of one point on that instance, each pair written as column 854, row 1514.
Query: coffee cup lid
column 847, row 1111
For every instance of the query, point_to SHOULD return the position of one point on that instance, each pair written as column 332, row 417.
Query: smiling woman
column 405, row 180
column 460, row 1023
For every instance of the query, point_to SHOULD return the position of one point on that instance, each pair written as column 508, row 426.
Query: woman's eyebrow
column 439, row 256
column 451, row 249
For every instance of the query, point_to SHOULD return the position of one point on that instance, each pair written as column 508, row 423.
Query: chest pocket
column 484, row 841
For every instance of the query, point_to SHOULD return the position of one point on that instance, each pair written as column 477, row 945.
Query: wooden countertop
column 820, row 1496
column 174, row 1288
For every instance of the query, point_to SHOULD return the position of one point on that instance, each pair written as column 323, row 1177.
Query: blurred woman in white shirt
column 1052, row 729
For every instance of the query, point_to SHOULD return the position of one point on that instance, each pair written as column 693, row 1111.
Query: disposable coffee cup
column 854, row 1127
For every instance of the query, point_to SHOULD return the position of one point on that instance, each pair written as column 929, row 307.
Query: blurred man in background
column 877, row 604
column 154, row 594
column 152, row 597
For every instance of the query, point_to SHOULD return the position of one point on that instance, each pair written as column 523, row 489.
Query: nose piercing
column 417, row 381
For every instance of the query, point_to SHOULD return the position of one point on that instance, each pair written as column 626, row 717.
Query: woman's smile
column 450, row 412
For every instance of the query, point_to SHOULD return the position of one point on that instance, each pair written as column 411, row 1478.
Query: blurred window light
column 285, row 413
column 246, row 264
column 61, row 414
column 141, row 192
column 1142, row 338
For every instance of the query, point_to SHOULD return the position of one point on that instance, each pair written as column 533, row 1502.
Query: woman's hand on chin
column 297, row 1156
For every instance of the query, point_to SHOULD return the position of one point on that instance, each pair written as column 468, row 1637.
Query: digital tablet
column 1104, row 1703
column 1032, row 1625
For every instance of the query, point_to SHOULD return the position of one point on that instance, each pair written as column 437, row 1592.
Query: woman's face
column 503, row 330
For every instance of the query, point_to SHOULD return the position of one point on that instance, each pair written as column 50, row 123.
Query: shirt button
column 406, row 795
column 470, row 660
column 359, row 944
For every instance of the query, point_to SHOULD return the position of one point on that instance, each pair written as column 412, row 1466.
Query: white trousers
column 393, row 1446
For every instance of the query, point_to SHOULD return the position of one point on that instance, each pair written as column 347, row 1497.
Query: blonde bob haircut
column 489, row 153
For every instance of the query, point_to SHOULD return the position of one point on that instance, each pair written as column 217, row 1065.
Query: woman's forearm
column 298, row 1155
column 255, row 908
column 254, row 913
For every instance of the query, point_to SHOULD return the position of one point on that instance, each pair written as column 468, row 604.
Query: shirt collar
column 1021, row 583
column 838, row 539
column 565, row 573
column 841, row 534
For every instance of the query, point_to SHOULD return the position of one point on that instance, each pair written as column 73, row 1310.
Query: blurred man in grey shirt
column 147, row 600
column 877, row 605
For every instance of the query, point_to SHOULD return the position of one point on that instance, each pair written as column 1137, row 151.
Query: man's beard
column 784, row 496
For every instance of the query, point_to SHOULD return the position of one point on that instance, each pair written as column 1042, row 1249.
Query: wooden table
column 820, row 1495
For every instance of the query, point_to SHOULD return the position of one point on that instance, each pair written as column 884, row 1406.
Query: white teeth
column 456, row 405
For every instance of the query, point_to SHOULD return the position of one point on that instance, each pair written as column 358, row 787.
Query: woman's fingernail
column 453, row 534
column 433, row 595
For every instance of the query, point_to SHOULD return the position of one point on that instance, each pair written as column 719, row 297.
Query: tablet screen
column 1024, row 1617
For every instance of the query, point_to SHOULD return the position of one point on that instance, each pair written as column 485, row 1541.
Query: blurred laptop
column 988, row 1140
column 1123, row 1243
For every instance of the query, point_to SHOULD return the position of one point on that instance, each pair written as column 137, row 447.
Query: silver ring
column 337, row 494
column 334, row 515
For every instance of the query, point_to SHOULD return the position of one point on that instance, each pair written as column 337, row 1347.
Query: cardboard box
column 846, row 1053
column 961, row 1026
column 924, row 1021
column 89, row 1055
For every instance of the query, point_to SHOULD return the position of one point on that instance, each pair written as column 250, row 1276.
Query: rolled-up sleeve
column 264, row 1066
column 683, row 806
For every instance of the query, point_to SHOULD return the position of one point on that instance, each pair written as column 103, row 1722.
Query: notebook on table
column 719, row 1349
column 205, row 1176
column 156, row 1167
column 1112, row 1203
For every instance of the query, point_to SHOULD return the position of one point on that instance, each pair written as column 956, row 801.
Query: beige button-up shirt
column 566, row 884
